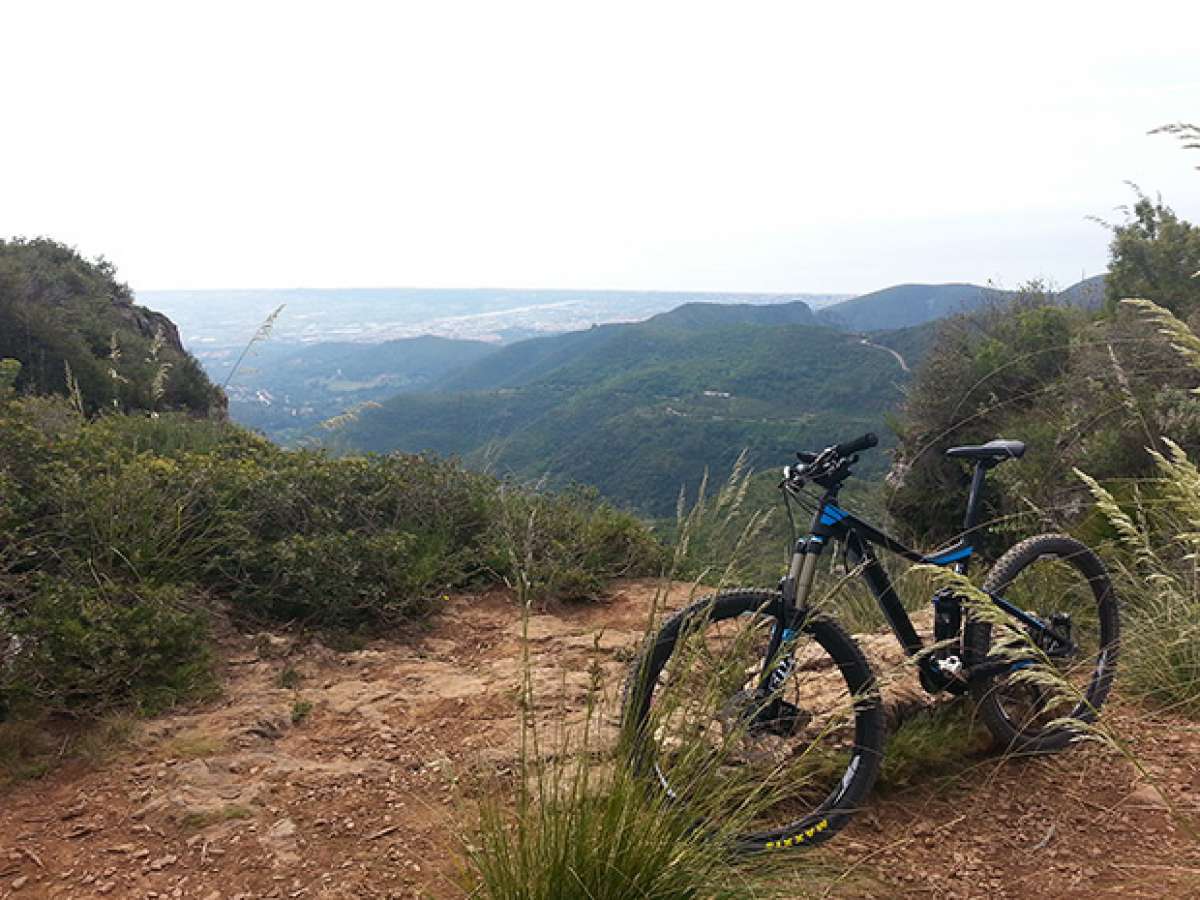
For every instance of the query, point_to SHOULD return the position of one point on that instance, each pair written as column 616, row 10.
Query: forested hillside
column 75, row 331
column 908, row 304
column 639, row 410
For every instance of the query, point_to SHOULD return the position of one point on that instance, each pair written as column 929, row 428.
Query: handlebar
column 829, row 467
column 866, row 442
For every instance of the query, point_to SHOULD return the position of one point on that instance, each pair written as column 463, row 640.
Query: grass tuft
column 301, row 710
column 940, row 741
column 193, row 745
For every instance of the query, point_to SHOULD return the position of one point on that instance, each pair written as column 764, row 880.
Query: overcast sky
column 736, row 146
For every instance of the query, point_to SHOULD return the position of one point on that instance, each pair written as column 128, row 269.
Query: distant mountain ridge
column 1086, row 294
column 526, row 361
column 906, row 305
column 710, row 315
column 287, row 388
column 216, row 318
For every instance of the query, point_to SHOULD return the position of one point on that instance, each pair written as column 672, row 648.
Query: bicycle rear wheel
column 1050, row 575
column 789, row 767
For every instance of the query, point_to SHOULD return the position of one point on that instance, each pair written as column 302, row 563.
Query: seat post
column 976, row 495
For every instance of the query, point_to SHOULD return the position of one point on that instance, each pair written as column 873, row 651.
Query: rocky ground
column 346, row 775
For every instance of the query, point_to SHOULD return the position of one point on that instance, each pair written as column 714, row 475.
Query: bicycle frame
column 832, row 523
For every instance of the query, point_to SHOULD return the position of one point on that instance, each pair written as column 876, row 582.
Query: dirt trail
column 367, row 792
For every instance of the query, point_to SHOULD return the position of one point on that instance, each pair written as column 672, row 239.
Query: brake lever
column 793, row 476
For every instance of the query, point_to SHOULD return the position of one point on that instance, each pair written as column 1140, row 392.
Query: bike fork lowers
column 794, row 593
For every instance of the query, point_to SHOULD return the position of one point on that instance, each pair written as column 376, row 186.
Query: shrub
column 341, row 579
column 1085, row 391
column 117, row 533
column 83, row 649
column 172, row 435
column 565, row 546
column 131, row 516
column 342, row 543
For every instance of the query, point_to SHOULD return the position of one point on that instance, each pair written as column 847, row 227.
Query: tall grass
column 587, row 829
column 586, row 822
column 1161, row 577
column 1157, row 524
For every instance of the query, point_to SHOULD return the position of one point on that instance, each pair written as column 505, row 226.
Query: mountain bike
column 783, row 702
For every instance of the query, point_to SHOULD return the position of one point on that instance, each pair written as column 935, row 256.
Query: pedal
column 943, row 674
column 950, row 666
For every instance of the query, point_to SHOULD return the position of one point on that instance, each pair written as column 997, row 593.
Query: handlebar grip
column 865, row 442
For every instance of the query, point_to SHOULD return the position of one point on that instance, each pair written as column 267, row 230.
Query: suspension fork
column 793, row 603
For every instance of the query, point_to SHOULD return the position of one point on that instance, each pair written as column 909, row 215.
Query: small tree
column 1155, row 256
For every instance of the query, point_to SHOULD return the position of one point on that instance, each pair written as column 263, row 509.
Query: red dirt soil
column 369, row 792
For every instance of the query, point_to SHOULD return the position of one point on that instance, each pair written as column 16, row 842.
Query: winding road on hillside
column 900, row 359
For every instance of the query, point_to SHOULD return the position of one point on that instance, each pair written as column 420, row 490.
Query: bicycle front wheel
column 787, row 767
column 1059, row 580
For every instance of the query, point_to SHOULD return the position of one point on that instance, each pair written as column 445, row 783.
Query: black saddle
column 993, row 452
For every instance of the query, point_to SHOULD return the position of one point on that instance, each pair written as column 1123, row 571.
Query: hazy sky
column 733, row 146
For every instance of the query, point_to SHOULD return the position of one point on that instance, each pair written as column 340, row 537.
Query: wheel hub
column 1060, row 623
column 750, row 712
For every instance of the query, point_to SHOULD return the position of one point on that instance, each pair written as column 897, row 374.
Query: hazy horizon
column 581, row 289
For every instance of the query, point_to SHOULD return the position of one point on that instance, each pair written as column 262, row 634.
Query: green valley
column 639, row 410
column 286, row 390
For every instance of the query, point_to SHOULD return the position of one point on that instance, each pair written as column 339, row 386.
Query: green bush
column 84, row 649
column 172, row 435
column 118, row 532
column 341, row 579
column 134, row 517
column 1156, row 522
column 565, row 546
column 1081, row 390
